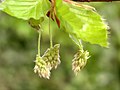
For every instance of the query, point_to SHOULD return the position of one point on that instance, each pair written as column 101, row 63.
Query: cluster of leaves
column 86, row 23
column 81, row 22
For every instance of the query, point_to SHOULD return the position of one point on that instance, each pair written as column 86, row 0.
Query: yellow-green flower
column 41, row 68
column 79, row 61
column 52, row 57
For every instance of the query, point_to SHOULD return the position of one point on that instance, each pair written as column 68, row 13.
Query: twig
column 95, row 0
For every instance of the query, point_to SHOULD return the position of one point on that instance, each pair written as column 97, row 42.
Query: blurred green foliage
column 18, row 48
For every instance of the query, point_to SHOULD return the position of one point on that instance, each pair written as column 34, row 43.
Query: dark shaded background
column 18, row 48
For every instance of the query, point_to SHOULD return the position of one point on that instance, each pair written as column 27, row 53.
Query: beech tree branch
column 95, row 0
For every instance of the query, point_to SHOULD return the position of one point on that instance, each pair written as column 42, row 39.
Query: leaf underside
column 82, row 23
column 26, row 9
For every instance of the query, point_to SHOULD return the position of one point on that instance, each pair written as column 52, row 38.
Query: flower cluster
column 50, row 59
column 41, row 67
column 79, row 61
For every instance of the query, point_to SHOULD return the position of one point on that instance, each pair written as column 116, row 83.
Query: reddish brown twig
column 94, row 0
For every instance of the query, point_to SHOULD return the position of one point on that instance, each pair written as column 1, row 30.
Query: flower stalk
column 50, row 33
column 39, row 40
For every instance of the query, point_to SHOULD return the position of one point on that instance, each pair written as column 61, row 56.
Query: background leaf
column 82, row 23
column 26, row 9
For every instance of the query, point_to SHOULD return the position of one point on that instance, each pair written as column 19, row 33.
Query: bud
column 79, row 61
column 52, row 57
column 41, row 68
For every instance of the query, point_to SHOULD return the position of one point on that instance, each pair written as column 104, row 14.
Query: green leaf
column 26, row 9
column 35, row 23
column 82, row 22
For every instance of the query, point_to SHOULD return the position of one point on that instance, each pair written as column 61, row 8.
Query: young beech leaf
column 26, row 9
column 35, row 23
column 82, row 22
